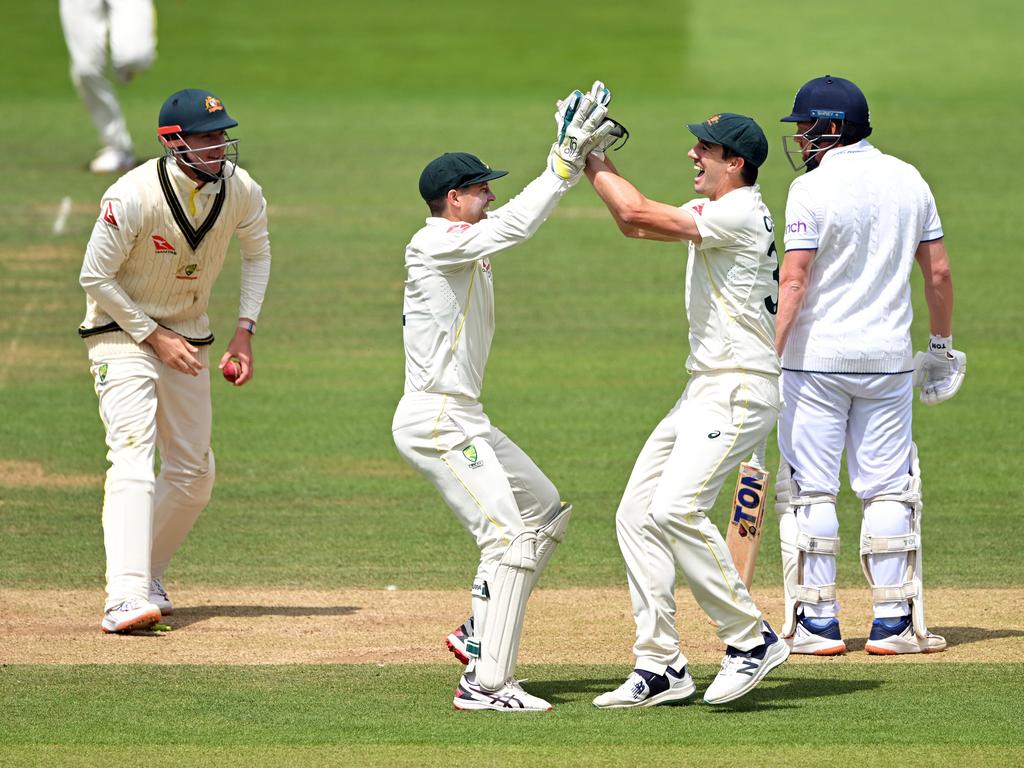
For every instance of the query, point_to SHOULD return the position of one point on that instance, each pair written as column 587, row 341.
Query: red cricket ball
column 232, row 370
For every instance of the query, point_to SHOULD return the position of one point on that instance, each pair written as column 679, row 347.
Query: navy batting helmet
column 832, row 98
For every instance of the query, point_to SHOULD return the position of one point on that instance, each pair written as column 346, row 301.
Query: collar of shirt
column 861, row 146
column 194, row 200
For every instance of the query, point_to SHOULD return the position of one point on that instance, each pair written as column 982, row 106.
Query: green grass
column 796, row 707
column 341, row 104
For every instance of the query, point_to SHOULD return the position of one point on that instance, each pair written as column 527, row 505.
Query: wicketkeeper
column 507, row 504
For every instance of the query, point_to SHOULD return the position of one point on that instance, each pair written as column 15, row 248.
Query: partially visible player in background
column 127, row 28
column 855, row 224
column 156, row 250
column 512, row 510
column 727, row 410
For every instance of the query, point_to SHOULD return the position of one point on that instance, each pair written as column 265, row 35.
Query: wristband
column 940, row 344
column 249, row 326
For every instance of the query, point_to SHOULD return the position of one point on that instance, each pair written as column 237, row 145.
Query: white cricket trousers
column 147, row 406
column 870, row 416
column 492, row 486
column 130, row 28
column 661, row 521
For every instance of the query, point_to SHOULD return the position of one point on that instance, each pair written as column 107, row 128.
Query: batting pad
column 499, row 645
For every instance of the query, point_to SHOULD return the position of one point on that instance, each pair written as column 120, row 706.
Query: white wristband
column 248, row 326
column 940, row 344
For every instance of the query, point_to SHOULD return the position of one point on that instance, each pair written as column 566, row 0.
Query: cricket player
column 855, row 224
column 127, row 29
column 728, row 408
column 157, row 248
column 507, row 504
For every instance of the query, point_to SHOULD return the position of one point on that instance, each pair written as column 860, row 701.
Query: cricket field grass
column 313, row 596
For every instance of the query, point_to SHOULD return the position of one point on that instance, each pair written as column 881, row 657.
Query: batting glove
column 940, row 371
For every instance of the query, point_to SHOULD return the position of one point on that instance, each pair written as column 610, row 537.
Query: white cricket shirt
column 448, row 311
column 157, row 248
column 732, row 285
column 865, row 213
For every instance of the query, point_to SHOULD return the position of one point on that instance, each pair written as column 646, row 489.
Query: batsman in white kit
column 855, row 224
column 727, row 410
column 508, row 505
column 154, row 255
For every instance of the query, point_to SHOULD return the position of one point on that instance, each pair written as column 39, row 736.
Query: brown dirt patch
column 587, row 626
column 30, row 474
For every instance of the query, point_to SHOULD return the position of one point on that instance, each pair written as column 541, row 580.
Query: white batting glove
column 940, row 371
column 583, row 127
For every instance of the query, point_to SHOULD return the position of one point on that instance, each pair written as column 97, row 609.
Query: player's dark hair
column 853, row 132
column 749, row 172
column 437, row 205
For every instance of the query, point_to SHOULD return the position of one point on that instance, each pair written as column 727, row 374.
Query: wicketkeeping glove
column 583, row 127
column 940, row 371
column 602, row 97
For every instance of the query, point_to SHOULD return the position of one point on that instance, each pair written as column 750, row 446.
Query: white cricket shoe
column 130, row 616
column 158, row 596
column 894, row 636
column 647, row 689
column 510, row 698
column 817, row 637
column 742, row 670
column 110, row 160
column 456, row 641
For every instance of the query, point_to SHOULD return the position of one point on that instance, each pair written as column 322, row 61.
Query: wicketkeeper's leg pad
column 549, row 536
column 506, row 609
column 911, row 587
column 797, row 545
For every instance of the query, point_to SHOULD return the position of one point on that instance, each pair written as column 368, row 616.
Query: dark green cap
column 737, row 132
column 193, row 110
column 454, row 170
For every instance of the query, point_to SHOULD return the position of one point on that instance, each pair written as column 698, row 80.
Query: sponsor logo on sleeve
column 796, row 227
column 108, row 217
column 698, row 209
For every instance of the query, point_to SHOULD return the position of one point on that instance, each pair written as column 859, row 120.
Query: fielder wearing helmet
column 829, row 112
column 161, row 239
column 193, row 127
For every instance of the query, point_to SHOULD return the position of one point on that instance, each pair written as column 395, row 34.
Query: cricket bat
column 746, row 519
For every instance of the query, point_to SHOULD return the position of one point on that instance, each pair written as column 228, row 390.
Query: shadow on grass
column 781, row 692
column 954, row 636
column 184, row 617
column 786, row 693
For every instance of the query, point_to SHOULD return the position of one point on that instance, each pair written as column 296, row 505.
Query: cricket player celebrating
column 502, row 498
column 728, row 408
column 155, row 252
column 855, row 224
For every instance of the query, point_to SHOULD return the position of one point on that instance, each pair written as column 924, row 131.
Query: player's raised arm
column 636, row 215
